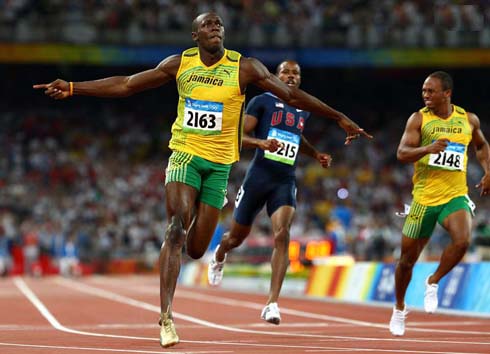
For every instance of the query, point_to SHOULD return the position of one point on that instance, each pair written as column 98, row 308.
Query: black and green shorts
column 421, row 220
column 209, row 178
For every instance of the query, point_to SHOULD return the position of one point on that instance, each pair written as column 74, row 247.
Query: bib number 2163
column 203, row 117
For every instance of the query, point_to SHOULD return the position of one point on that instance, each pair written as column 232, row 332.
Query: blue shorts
column 255, row 193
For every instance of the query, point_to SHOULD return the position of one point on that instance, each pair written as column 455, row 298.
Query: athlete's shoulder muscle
column 170, row 65
column 412, row 134
column 259, row 100
column 257, row 106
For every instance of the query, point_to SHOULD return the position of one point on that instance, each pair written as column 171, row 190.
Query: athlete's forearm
column 483, row 156
column 307, row 149
column 250, row 142
column 310, row 103
column 411, row 154
column 115, row 86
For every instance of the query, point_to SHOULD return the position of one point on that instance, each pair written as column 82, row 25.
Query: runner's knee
column 194, row 254
column 175, row 233
column 232, row 240
column 406, row 263
column 462, row 244
column 281, row 237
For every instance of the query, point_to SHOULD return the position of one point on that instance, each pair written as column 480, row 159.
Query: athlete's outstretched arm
column 306, row 148
column 482, row 150
column 409, row 149
column 115, row 86
column 254, row 72
column 252, row 142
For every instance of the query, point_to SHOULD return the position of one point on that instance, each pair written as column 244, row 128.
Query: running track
column 120, row 314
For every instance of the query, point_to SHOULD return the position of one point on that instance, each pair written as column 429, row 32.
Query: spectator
column 5, row 258
column 370, row 23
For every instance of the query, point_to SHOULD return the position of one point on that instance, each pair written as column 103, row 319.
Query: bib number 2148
column 450, row 159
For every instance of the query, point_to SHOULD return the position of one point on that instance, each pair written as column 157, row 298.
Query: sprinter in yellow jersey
column 211, row 81
column 436, row 139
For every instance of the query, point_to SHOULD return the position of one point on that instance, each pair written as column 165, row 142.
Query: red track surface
column 120, row 314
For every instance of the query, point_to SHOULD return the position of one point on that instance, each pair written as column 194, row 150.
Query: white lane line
column 28, row 328
column 423, row 326
column 247, row 304
column 449, row 323
column 22, row 286
column 38, row 304
column 148, row 285
column 129, row 301
column 89, row 289
column 256, row 306
column 39, row 346
column 53, row 321
column 302, row 325
column 391, row 351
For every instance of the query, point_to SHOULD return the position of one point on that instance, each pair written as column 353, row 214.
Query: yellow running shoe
column 168, row 335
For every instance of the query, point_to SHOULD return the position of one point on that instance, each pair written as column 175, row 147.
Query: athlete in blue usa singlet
column 270, row 181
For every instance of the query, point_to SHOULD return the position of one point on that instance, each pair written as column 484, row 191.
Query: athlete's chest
column 278, row 115
column 219, row 83
column 456, row 129
column 285, row 124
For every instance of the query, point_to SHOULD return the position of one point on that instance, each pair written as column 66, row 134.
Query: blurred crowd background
column 278, row 23
column 82, row 179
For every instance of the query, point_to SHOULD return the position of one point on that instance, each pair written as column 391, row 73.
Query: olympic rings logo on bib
column 202, row 117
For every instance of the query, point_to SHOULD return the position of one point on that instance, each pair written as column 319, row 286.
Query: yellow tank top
column 210, row 109
column 440, row 177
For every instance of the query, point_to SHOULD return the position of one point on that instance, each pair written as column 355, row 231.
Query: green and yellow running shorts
column 209, row 178
column 421, row 220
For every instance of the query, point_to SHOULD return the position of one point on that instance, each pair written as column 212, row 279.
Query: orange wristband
column 71, row 88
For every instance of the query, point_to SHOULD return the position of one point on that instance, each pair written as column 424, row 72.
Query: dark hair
column 198, row 19
column 445, row 78
column 278, row 68
column 195, row 24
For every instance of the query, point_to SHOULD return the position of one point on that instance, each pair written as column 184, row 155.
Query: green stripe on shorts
column 414, row 221
column 421, row 220
column 177, row 167
column 209, row 178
